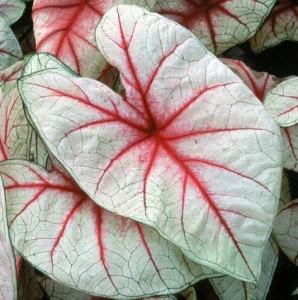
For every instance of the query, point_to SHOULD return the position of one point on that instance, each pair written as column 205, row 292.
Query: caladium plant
column 158, row 169
column 149, row 155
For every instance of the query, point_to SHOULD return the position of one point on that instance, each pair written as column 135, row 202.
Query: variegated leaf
column 281, row 25
column 286, row 230
column 282, row 102
column 15, row 129
column 60, row 231
column 260, row 83
column 218, row 24
column 228, row 288
column 61, row 29
column 156, row 156
column 11, row 10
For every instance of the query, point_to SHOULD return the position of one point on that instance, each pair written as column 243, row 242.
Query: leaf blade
column 104, row 253
column 143, row 170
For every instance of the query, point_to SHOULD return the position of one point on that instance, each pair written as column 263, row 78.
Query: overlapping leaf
column 60, row 28
column 60, row 231
column 15, row 130
column 11, row 10
column 282, row 102
column 218, row 24
column 8, row 283
column 228, row 288
column 285, row 230
column 10, row 51
column 175, row 154
column 260, row 83
column 281, row 25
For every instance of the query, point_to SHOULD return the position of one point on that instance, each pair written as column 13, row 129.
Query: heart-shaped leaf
column 10, row 51
column 8, row 282
column 15, row 130
column 281, row 25
column 60, row 231
column 179, row 153
column 282, row 102
column 61, row 29
column 11, row 10
column 219, row 24
column 260, row 83
column 228, row 288
column 285, row 230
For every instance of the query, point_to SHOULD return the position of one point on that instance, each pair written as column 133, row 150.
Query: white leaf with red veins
column 10, row 51
column 260, row 83
column 8, row 282
column 60, row 28
column 228, row 288
column 179, row 154
column 11, row 10
column 282, row 102
column 60, row 231
column 219, row 24
column 15, row 129
column 285, row 230
column 281, row 25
